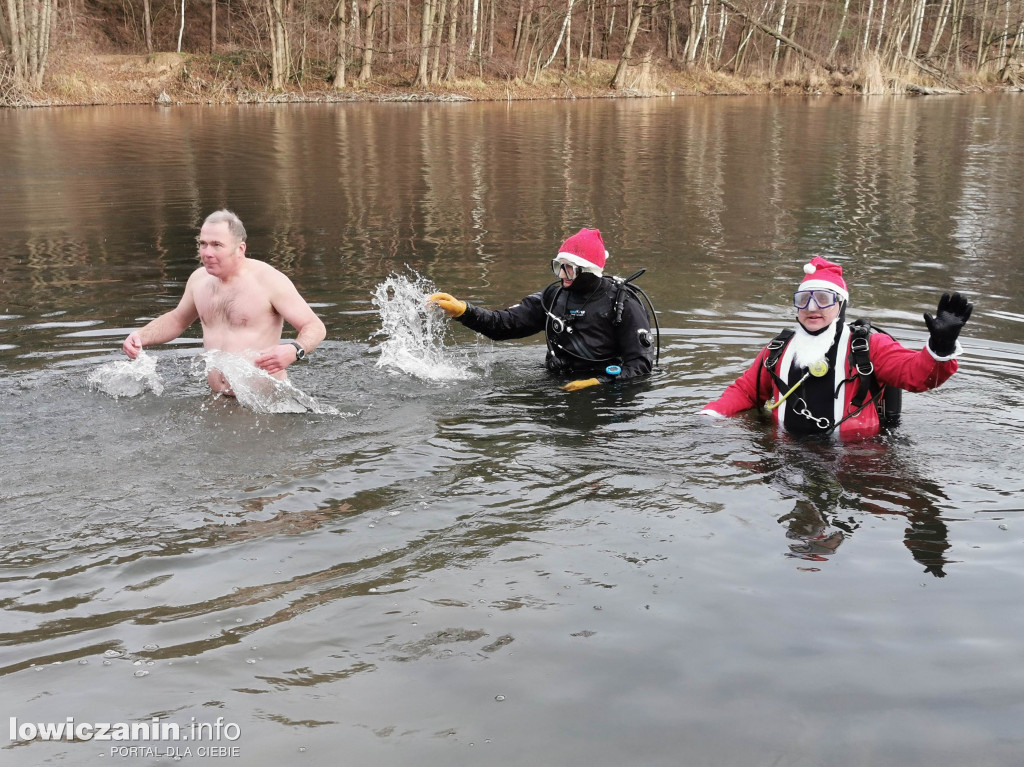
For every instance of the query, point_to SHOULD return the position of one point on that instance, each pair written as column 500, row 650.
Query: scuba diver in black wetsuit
column 597, row 327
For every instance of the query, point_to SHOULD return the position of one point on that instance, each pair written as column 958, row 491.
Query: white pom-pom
column 810, row 268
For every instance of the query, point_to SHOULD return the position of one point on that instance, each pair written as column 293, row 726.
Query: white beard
column 808, row 349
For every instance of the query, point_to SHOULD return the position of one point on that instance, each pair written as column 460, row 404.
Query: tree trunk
column 181, row 29
column 366, row 71
column 426, row 30
column 619, row 80
column 213, row 26
column 473, row 26
column 435, row 73
column 672, row 38
column 147, row 24
column 279, row 53
column 939, row 28
column 453, row 24
column 916, row 23
column 25, row 30
column 778, row 43
column 341, row 61
column 867, row 27
column 881, row 28
column 698, row 23
column 561, row 34
column 490, row 29
column 839, row 32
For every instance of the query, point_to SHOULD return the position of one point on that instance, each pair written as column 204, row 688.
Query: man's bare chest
column 234, row 306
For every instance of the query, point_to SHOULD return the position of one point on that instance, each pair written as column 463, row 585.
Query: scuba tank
column 645, row 301
column 888, row 400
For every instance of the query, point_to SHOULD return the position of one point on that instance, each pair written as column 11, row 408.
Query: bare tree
column 341, row 60
column 435, row 72
column 839, row 32
column 366, row 71
column 672, row 33
column 473, row 26
column 25, row 27
column 619, row 79
column 698, row 13
column 426, row 35
column 147, row 24
column 449, row 72
column 280, row 55
column 181, row 29
column 561, row 34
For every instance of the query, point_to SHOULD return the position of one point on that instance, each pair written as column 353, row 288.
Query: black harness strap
column 775, row 348
column 860, row 357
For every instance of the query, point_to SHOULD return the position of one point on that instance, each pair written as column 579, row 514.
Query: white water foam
column 414, row 332
column 255, row 388
column 127, row 378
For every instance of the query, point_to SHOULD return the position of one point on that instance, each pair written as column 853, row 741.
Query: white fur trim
column 957, row 351
column 839, row 405
column 824, row 285
column 587, row 266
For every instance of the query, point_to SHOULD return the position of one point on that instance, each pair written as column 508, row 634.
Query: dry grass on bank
column 84, row 78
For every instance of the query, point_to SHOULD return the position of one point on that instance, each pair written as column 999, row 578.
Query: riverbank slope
column 85, row 78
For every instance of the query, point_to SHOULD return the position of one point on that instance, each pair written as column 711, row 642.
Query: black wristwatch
column 300, row 353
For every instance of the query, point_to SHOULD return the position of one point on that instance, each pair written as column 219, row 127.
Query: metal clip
column 821, row 423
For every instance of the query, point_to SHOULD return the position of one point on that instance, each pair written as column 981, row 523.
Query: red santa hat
column 820, row 274
column 584, row 249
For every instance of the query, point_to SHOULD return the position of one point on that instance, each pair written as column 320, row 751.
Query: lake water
column 446, row 560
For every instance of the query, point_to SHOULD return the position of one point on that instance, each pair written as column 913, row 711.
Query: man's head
column 583, row 252
column 227, row 217
column 222, row 243
column 821, row 295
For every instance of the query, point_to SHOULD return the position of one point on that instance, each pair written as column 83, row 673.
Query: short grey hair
column 225, row 216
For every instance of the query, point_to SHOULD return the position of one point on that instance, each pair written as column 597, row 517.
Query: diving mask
column 571, row 271
column 823, row 299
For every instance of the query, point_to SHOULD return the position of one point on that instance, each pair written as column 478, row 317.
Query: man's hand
column 452, row 306
column 954, row 310
column 583, row 383
column 132, row 345
column 277, row 358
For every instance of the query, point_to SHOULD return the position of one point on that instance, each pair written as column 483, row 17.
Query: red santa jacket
column 895, row 365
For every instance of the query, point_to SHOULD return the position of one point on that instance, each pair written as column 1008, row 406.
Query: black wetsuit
column 591, row 339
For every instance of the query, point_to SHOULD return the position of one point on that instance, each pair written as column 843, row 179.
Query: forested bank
column 141, row 51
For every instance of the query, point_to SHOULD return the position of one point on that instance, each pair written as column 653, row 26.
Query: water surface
column 476, row 567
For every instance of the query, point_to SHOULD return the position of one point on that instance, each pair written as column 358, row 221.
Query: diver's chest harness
column 563, row 338
column 887, row 400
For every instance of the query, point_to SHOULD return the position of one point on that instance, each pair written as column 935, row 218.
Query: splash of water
column 127, row 378
column 255, row 388
column 414, row 332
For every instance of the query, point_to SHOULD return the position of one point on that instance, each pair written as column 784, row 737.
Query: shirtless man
column 242, row 304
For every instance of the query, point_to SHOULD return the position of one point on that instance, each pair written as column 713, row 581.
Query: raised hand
column 943, row 329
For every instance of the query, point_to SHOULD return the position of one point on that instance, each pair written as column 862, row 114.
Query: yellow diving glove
column 582, row 383
column 452, row 306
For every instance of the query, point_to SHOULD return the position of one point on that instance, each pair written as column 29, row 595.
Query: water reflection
column 835, row 487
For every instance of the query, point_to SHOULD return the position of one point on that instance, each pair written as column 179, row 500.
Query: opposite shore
column 172, row 78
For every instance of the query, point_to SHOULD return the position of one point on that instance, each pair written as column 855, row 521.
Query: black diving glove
column 954, row 310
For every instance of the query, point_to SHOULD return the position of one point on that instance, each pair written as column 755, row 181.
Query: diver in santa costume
column 826, row 376
column 597, row 328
